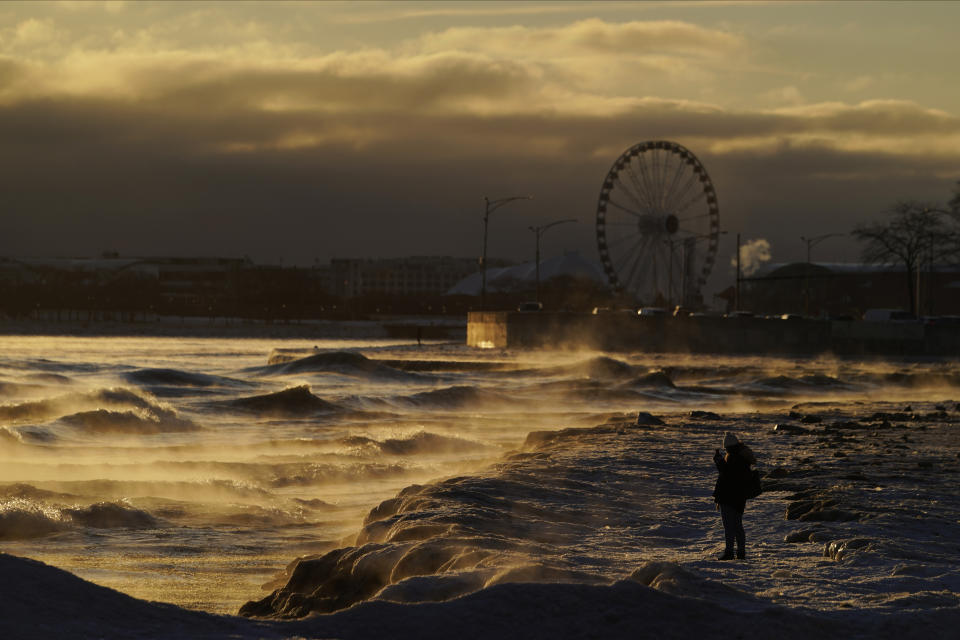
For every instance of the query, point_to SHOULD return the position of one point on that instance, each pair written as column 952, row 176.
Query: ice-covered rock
column 790, row 429
column 705, row 415
column 841, row 549
column 830, row 515
column 799, row 508
column 801, row 535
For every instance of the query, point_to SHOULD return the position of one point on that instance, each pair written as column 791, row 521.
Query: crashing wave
column 310, row 474
column 821, row 380
column 111, row 515
column 780, row 382
column 603, row 367
column 456, row 397
column 24, row 491
column 28, row 434
column 282, row 356
column 339, row 362
column 23, row 516
column 658, row 378
column 295, row 401
column 104, row 421
column 422, row 442
column 116, row 398
column 23, row 520
column 174, row 378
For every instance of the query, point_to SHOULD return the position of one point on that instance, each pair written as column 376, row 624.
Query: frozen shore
column 859, row 511
column 40, row 602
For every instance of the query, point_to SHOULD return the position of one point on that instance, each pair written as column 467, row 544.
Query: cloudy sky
column 306, row 131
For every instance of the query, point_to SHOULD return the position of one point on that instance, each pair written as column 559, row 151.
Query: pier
column 708, row 334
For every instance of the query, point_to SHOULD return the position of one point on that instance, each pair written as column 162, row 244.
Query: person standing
column 730, row 492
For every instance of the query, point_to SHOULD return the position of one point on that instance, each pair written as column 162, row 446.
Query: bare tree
column 917, row 231
column 955, row 201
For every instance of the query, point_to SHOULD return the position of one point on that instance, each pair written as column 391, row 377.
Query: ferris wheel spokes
column 673, row 185
column 690, row 187
column 636, row 214
column 636, row 262
column 641, row 191
column 689, row 202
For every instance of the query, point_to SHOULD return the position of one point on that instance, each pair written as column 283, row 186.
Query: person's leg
column 739, row 534
column 728, row 516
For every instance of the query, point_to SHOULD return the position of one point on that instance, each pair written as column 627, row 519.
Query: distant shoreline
column 426, row 327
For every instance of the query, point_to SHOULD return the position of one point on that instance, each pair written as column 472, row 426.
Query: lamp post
column 811, row 242
column 489, row 207
column 736, row 300
column 683, row 264
column 814, row 241
column 538, row 231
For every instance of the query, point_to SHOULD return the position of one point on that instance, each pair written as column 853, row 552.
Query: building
column 389, row 277
column 87, row 287
column 848, row 289
column 521, row 278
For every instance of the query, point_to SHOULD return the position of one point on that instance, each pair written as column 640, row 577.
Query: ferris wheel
column 658, row 224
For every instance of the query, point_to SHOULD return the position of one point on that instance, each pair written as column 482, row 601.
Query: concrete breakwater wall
column 627, row 332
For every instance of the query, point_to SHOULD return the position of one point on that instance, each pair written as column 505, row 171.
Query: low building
column 417, row 275
column 521, row 278
column 848, row 289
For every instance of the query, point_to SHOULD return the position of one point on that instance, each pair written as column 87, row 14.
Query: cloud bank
column 139, row 140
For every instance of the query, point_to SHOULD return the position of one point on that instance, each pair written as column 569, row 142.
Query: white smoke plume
column 752, row 256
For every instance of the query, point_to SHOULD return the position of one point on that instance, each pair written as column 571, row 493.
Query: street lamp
column 489, row 207
column 814, row 241
column 538, row 231
column 811, row 242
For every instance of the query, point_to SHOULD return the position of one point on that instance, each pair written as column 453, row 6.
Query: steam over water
column 193, row 471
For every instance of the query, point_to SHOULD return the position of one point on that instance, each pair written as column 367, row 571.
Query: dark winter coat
column 734, row 478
